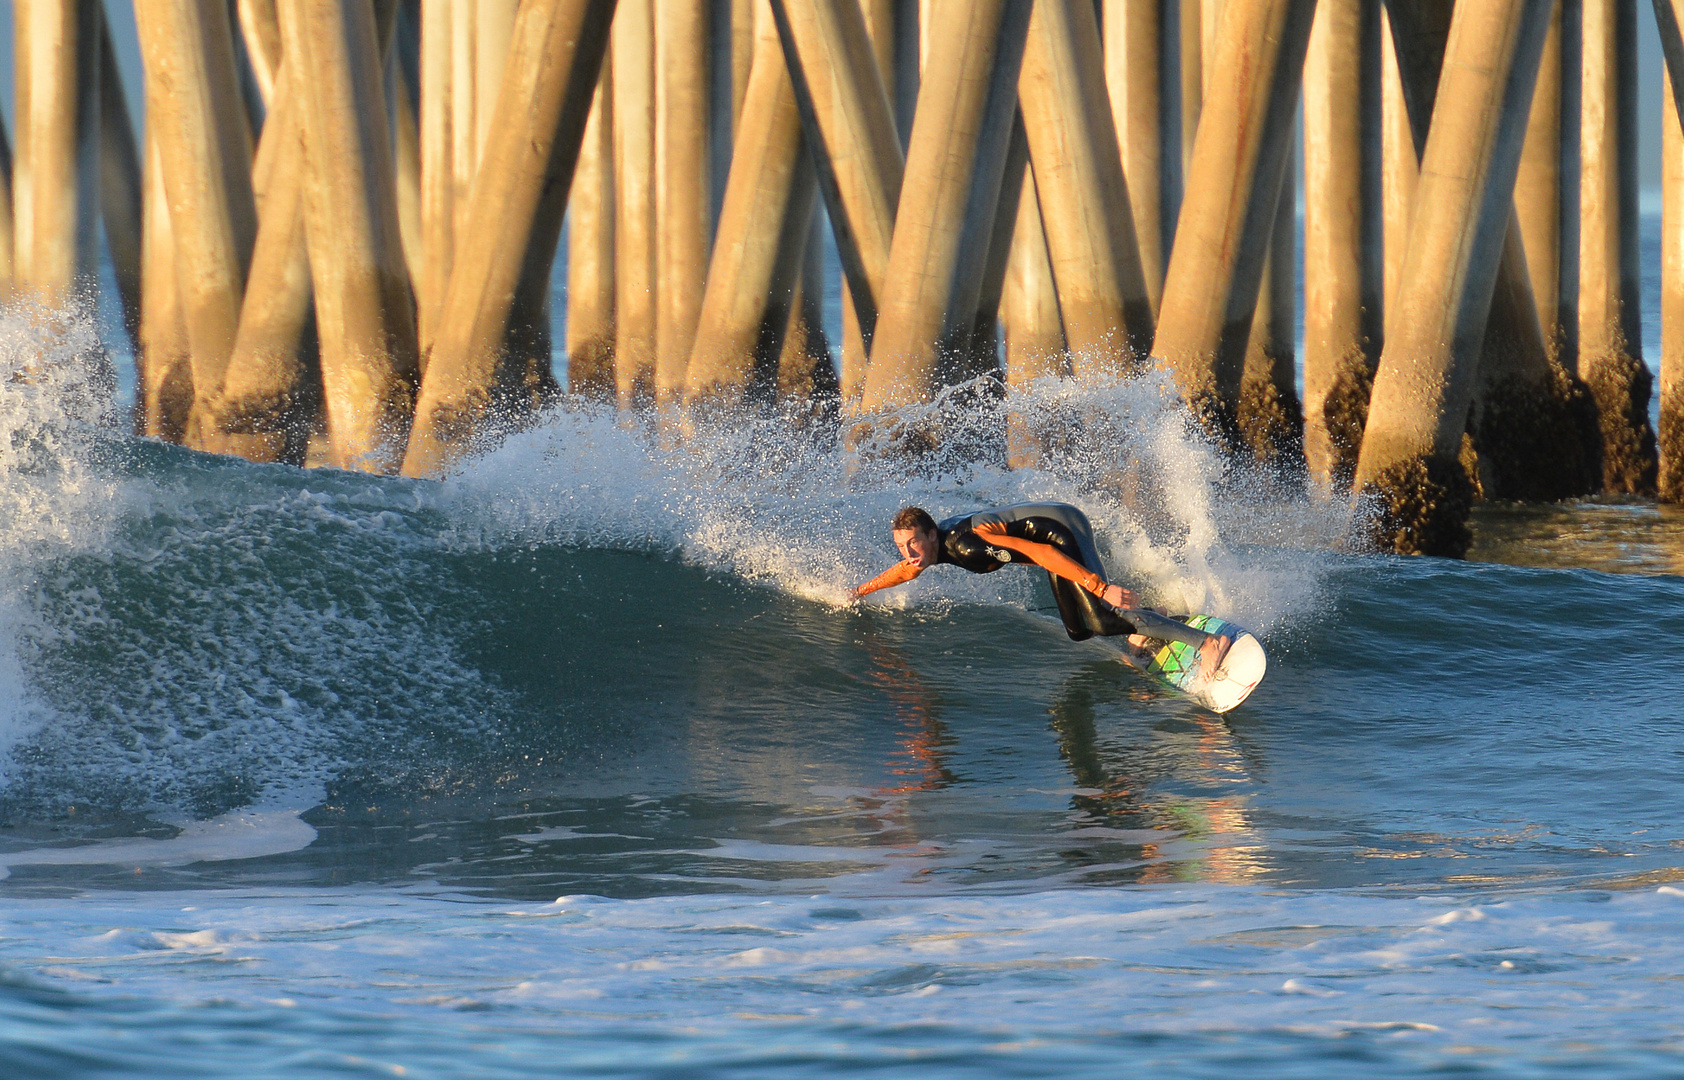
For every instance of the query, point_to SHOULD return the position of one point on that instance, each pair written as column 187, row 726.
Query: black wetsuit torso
column 1059, row 525
column 1066, row 528
column 960, row 545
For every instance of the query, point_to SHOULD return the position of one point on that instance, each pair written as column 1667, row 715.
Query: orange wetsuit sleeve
column 1045, row 556
column 898, row 574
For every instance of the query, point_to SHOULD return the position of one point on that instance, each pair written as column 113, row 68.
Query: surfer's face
column 918, row 545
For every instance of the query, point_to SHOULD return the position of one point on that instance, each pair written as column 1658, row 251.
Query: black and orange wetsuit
column 1067, row 530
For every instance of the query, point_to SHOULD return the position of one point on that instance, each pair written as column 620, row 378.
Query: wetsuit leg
column 1085, row 614
column 1164, row 628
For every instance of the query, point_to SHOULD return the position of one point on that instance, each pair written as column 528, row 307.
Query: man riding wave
column 1056, row 537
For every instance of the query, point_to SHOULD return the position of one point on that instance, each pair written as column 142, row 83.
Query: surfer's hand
column 1119, row 597
column 1212, row 653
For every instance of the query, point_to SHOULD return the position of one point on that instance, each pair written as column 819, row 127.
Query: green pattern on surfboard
column 1178, row 662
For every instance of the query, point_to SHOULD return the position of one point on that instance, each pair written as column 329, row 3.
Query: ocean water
column 581, row 763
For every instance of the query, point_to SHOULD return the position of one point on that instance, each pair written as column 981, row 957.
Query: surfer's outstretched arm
column 898, row 574
column 1054, row 561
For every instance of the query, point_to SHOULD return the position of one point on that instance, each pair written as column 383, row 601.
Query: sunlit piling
column 205, row 152
column 272, row 389
column 1669, row 15
column 1139, row 83
column 1610, row 283
column 636, row 283
column 260, row 27
column 1538, row 192
column 683, row 186
column 163, row 367
column 1034, row 332
column 1343, row 243
column 758, row 254
column 514, row 226
column 364, row 307
column 892, row 26
column 856, row 148
column 1428, row 365
column 807, row 392
column 402, row 106
column 55, row 183
column 945, row 220
column 1085, row 204
column 1531, row 428
column 590, row 252
column 438, row 176
column 1228, row 210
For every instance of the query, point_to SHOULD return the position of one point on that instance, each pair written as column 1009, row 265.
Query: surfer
column 1056, row 537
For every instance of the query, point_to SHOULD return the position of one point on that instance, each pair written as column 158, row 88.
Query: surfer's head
column 915, row 535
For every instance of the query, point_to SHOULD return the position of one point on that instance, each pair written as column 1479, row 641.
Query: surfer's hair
column 915, row 518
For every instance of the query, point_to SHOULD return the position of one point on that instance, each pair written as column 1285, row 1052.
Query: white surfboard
column 1177, row 664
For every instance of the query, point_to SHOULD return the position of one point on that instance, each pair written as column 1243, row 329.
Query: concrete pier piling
column 1538, row 192
column 1669, row 16
column 636, row 279
column 1228, row 209
column 1085, row 204
column 514, row 225
column 944, row 224
column 1142, row 92
column 590, row 252
column 1013, row 190
column 272, row 389
column 363, row 298
column 164, row 370
column 1034, row 329
column 849, row 123
column 683, row 190
column 438, row 170
column 759, row 252
column 56, row 180
column 1344, row 278
column 1531, row 427
column 1610, row 338
column 205, row 152
column 1428, row 366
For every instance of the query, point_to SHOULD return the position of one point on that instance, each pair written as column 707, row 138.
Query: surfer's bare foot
column 1212, row 652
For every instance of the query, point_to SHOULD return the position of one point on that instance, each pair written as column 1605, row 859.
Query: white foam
column 1175, row 518
column 874, row 958
column 179, row 630
column 55, row 404
column 241, row 834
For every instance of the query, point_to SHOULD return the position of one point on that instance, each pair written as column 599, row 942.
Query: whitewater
column 583, row 762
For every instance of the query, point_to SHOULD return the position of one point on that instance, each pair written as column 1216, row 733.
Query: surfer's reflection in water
column 921, row 762
column 1056, row 537
column 1137, row 776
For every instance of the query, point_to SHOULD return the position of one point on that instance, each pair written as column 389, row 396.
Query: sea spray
column 191, row 633
column 1194, row 528
column 55, row 413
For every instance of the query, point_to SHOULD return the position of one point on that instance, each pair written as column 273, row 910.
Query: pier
column 333, row 240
